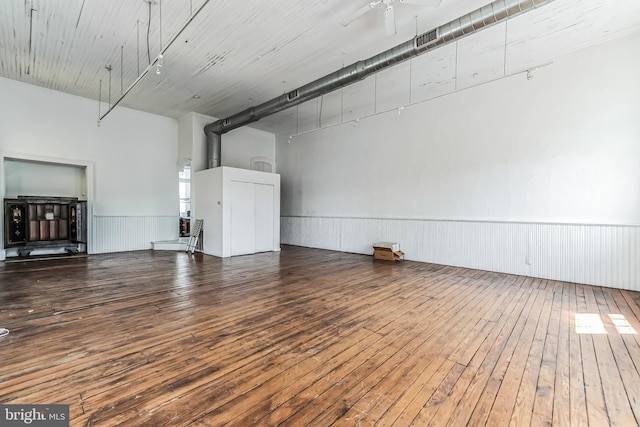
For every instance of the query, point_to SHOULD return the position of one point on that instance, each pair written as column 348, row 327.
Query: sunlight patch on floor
column 621, row 324
column 589, row 323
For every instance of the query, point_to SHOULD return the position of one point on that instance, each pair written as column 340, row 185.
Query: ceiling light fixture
column 109, row 68
column 531, row 72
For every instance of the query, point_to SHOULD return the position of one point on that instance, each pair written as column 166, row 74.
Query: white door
column 243, row 218
column 264, row 217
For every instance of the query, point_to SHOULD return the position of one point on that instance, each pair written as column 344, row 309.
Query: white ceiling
column 236, row 54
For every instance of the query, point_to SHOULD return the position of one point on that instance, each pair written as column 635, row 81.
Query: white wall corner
column 185, row 138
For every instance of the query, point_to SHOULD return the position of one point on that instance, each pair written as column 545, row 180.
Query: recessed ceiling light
column 196, row 96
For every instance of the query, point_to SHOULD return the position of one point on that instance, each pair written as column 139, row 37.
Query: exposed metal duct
column 214, row 149
column 491, row 14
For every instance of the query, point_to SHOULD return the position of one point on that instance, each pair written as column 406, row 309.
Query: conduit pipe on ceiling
column 491, row 14
column 155, row 63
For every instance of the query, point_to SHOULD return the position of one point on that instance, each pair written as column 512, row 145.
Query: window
column 184, row 184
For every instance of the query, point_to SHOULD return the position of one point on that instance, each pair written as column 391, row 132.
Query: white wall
column 470, row 177
column 185, row 141
column 132, row 155
column 238, row 146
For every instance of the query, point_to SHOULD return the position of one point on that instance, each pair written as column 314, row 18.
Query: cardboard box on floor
column 387, row 251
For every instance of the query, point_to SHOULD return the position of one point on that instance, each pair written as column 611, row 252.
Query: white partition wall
column 240, row 209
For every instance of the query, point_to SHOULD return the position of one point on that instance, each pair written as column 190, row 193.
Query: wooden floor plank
column 562, row 387
column 624, row 365
column 594, row 391
column 311, row 337
column 269, row 347
column 482, row 360
column 259, row 381
column 335, row 405
column 429, row 409
column 409, row 304
column 507, row 397
column 542, row 414
column 577, row 396
column 376, row 402
column 499, row 397
column 461, row 411
column 615, row 396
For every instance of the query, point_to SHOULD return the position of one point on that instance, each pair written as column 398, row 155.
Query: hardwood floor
column 313, row 337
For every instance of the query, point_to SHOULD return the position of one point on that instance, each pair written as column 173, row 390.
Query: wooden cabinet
column 37, row 222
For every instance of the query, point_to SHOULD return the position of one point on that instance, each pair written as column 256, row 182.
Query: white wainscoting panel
column 604, row 255
column 130, row 233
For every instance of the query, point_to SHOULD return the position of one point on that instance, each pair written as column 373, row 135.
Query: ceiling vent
column 426, row 39
column 292, row 95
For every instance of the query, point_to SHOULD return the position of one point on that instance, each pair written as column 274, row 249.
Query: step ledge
column 170, row 245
